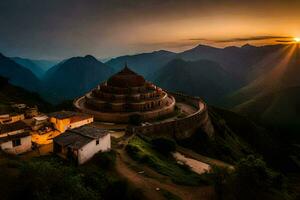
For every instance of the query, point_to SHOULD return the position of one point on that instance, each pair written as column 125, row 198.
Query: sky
column 59, row 29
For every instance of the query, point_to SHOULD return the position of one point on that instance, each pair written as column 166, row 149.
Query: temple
column 124, row 95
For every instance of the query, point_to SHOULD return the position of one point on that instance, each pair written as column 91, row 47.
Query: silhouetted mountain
column 73, row 77
column 278, row 71
column 145, row 63
column 240, row 62
column 17, row 74
column 29, row 64
column 10, row 93
column 273, row 98
column 202, row 78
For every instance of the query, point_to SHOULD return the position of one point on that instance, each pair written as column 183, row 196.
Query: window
column 16, row 142
column 97, row 142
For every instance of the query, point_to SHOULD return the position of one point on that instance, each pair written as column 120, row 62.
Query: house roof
column 6, row 128
column 79, row 137
column 14, row 136
column 68, row 114
column 41, row 117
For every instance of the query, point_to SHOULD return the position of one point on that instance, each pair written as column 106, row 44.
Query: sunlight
column 280, row 62
column 297, row 39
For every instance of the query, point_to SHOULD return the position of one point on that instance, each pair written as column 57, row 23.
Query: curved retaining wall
column 179, row 128
column 121, row 117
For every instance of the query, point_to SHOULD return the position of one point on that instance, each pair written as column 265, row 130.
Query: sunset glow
column 297, row 39
column 107, row 29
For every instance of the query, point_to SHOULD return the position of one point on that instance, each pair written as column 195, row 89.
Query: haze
column 59, row 29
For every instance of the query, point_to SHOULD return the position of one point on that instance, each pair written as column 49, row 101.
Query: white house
column 15, row 138
column 82, row 143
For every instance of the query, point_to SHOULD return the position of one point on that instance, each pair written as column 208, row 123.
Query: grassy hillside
column 238, row 136
column 279, row 109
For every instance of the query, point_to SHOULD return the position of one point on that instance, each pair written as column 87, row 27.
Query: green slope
column 280, row 110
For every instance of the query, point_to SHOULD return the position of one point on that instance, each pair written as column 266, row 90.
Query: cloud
column 167, row 44
column 285, row 41
column 243, row 39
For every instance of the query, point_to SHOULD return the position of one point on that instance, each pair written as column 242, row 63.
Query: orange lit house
column 11, row 118
column 65, row 120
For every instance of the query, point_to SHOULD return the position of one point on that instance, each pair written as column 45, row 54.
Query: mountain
column 10, row 93
column 145, row 63
column 240, row 62
column 272, row 100
column 244, row 63
column 203, row 78
column 282, row 74
column 17, row 74
column 73, row 77
column 29, row 64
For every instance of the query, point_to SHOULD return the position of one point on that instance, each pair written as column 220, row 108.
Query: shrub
column 164, row 145
column 105, row 160
column 251, row 179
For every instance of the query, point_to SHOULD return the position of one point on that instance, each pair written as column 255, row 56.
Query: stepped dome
column 123, row 95
column 126, row 78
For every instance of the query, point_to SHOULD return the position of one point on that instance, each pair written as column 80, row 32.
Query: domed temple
column 124, row 95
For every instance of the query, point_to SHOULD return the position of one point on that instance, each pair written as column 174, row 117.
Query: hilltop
column 73, row 77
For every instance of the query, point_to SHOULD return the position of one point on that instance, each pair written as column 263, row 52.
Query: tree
column 251, row 179
column 164, row 145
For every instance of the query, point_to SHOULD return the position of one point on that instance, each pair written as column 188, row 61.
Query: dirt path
column 149, row 184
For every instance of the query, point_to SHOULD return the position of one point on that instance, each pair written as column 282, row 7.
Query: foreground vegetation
column 52, row 178
column 251, row 179
column 264, row 166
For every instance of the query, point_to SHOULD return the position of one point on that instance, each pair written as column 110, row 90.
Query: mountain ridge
column 17, row 74
column 73, row 77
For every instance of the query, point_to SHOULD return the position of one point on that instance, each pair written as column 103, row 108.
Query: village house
column 39, row 122
column 82, row 143
column 64, row 120
column 15, row 138
column 7, row 118
column 31, row 112
column 28, row 111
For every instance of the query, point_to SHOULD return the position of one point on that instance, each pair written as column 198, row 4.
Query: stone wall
column 123, row 117
column 179, row 128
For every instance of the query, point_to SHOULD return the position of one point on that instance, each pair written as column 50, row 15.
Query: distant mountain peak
column 163, row 52
column 204, row 46
column 90, row 57
column 248, row 46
